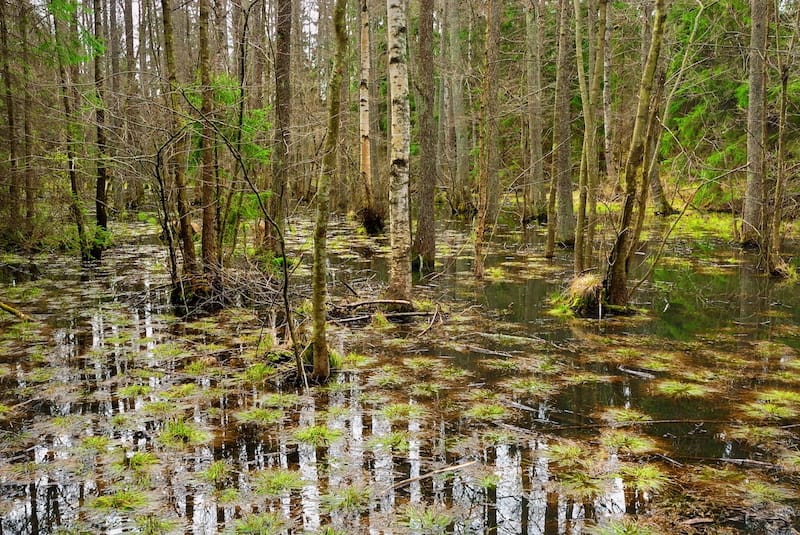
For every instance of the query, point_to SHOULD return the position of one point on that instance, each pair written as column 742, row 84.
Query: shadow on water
column 117, row 417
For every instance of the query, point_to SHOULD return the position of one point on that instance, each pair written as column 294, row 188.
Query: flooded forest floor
column 489, row 414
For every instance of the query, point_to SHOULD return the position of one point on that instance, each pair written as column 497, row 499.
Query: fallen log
column 16, row 312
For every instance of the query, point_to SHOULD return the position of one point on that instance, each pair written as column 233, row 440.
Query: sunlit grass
column 137, row 461
column 626, row 442
column 396, row 441
column 531, row 386
column 122, row 500
column 276, row 481
column 260, row 524
column 403, row 411
column 680, row 389
column 486, row 411
column 644, row 477
column 180, row 433
column 624, row 526
column 430, row 520
column 152, row 525
column 619, row 415
column 758, row 435
column 426, row 390
column 96, row 443
column 317, row 435
column 580, row 485
column 133, row 391
column 760, row 492
column 758, row 410
column 259, row 416
column 567, row 455
column 258, row 373
column 349, row 499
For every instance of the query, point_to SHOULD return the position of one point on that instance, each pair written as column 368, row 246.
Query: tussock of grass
column 122, row 500
column 259, row 416
column 317, row 435
column 487, row 411
column 276, row 481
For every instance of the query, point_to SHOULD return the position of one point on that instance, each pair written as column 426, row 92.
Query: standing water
column 486, row 414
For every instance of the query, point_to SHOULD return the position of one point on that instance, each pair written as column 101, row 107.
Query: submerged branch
column 15, row 311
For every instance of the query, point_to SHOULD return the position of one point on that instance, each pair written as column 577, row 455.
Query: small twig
column 436, row 313
column 446, row 469
column 375, row 302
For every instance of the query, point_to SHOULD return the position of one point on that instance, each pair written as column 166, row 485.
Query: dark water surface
column 488, row 416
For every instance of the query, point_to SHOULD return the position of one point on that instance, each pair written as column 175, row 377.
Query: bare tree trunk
column 329, row 172
column 69, row 97
column 612, row 169
column 400, row 233
column 27, row 134
column 100, row 198
column 617, row 274
column 487, row 174
column 460, row 198
column 11, row 130
column 207, row 175
column 283, row 107
column 753, row 211
column 423, row 250
column 371, row 218
column 535, row 206
column 178, row 166
column 560, row 224
column 590, row 164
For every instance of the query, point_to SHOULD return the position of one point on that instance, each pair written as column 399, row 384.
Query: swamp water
column 486, row 416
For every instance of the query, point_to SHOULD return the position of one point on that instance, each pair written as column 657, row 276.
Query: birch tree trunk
column 329, row 172
column 371, row 219
column 753, row 211
column 423, row 251
column 617, row 274
column 400, row 232
column 460, row 199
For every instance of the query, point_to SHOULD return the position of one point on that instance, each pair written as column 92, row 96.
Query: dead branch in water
column 16, row 312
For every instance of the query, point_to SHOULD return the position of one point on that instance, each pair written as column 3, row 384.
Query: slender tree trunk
column 400, row 233
column 11, row 129
column 560, row 223
column 283, row 107
column 775, row 264
column 617, row 274
column 487, row 174
column 207, row 175
column 371, row 218
column 100, row 198
column 459, row 188
column 27, row 137
column 69, row 97
column 178, row 166
column 423, row 250
column 327, row 176
column 612, row 169
column 535, row 206
column 753, row 212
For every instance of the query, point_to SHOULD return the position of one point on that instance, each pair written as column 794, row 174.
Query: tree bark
column 753, row 211
column 535, row 206
column 400, row 233
column 178, row 166
column 423, row 250
column 283, row 107
column 100, row 198
column 460, row 199
column 617, row 273
column 11, row 129
column 207, row 175
column 329, row 172
column 560, row 223
column 68, row 74
column 487, row 174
